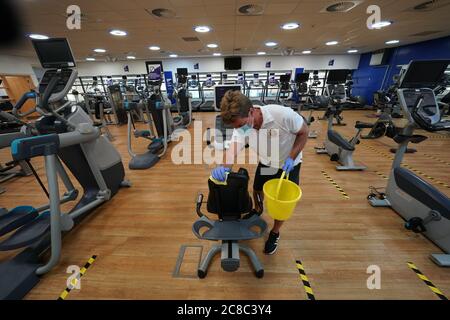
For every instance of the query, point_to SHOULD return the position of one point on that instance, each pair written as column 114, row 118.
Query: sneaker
column 272, row 243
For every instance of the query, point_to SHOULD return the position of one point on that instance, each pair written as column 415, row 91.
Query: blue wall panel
column 368, row 79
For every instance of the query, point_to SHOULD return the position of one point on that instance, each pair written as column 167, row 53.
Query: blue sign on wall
column 168, row 78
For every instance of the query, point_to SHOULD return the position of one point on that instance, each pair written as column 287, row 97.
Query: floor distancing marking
column 437, row 137
column 385, row 177
column 427, row 281
column 441, row 183
column 74, row 281
column 445, row 185
column 305, row 281
column 179, row 262
column 341, row 191
column 436, row 159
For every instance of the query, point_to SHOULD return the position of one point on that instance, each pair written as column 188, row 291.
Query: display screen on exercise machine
column 424, row 74
column 54, row 53
column 338, row 76
column 284, row 78
column 220, row 90
column 182, row 74
column 154, row 73
column 301, row 77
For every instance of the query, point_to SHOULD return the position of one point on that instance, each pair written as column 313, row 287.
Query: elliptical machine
column 158, row 113
column 425, row 209
column 183, row 99
column 67, row 135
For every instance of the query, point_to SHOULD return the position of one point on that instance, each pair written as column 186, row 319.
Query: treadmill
column 271, row 84
column 207, row 105
column 223, row 132
column 257, row 85
column 194, row 86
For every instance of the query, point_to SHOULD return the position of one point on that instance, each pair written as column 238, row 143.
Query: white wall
column 13, row 65
column 23, row 66
column 216, row 64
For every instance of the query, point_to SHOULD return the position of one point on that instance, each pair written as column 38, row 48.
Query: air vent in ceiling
column 190, row 39
column 288, row 51
column 163, row 13
column 341, row 6
column 238, row 49
column 251, row 10
column 424, row 33
column 430, row 5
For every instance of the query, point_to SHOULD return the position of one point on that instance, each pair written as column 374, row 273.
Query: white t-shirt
column 279, row 129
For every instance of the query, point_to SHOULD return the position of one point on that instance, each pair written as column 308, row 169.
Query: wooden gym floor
column 138, row 234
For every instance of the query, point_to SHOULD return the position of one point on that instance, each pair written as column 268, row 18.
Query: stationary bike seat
column 340, row 141
column 363, row 125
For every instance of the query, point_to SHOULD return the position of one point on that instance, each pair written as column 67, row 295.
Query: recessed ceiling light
column 271, row 44
column 306, row 51
column 173, row 55
column 392, row 42
column 212, row 45
column 154, row 48
column 90, row 59
column 131, row 57
column 217, row 54
column 260, row 53
column 332, row 43
column 381, row 24
column 290, row 26
column 202, row 29
column 352, row 51
column 119, row 33
column 100, row 50
column 38, row 36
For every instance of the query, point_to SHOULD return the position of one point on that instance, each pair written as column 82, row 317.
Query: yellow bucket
column 281, row 197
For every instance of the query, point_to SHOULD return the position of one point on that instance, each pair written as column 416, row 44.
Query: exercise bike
column 340, row 149
column 425, row 209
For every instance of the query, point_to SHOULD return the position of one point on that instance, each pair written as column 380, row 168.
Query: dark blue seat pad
column 422, row 191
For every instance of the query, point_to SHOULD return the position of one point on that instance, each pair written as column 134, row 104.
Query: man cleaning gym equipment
column 246, row 119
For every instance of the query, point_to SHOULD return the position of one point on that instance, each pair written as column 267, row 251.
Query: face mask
column 245, row 129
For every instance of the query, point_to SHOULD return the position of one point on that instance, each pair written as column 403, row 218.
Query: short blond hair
column 234, row 105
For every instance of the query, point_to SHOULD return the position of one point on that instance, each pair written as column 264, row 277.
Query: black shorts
column 273, row 173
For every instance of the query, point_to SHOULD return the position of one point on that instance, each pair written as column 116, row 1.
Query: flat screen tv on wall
column 380, row 57
column 233, row 63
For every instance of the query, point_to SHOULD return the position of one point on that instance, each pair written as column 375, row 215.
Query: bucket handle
column 283, row 175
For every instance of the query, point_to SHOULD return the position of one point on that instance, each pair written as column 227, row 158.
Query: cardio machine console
column 66, row 78
column 56, row 56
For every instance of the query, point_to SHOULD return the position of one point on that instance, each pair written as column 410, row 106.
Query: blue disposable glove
column 288, row 165
column 219, row 173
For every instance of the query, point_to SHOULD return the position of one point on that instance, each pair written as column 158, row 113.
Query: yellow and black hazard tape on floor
column 385, row 177
column 305, row 280
column 436, row 159
column 74, row 281
column 381, row 153
column 427, row 281
column 437, row 137
column 441, row 183
column 341, row 191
